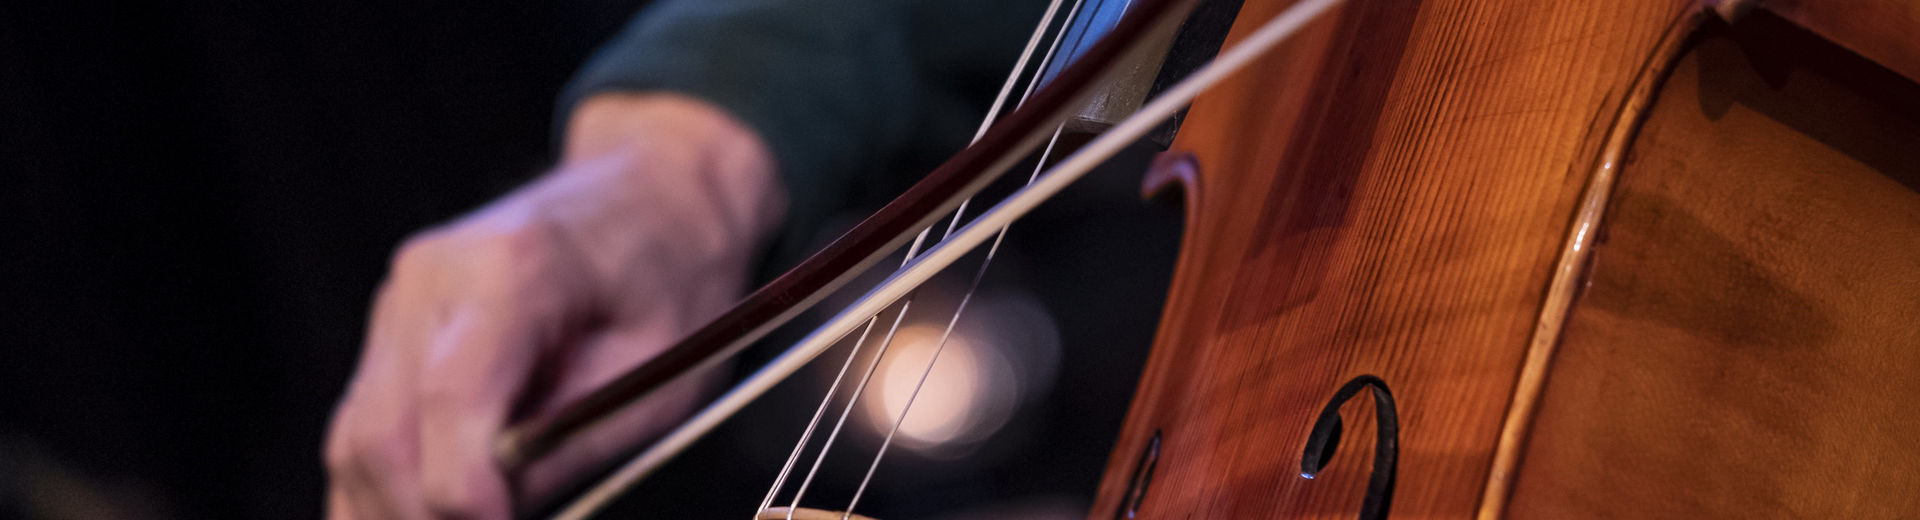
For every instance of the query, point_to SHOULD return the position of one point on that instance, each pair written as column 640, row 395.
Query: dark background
column 197, row 200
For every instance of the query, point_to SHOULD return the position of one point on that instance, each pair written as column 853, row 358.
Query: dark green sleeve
column 846, row 93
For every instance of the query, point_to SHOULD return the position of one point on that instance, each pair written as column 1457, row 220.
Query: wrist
column 647, row 123
column 678, row 143
column 662, row 187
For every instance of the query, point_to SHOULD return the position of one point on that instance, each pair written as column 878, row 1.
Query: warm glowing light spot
column 960, row 401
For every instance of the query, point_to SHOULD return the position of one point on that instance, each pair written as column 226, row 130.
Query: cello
column 1650, row 258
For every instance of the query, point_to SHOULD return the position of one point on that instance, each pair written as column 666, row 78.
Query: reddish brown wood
column 1747, row 345
column 1385, row 195
column 1390, row 193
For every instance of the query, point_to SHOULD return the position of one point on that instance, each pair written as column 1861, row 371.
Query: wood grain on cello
column 1747, row 336
column 1390, row 193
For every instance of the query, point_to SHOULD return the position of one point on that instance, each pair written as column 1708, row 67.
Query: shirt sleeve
column 844, row 92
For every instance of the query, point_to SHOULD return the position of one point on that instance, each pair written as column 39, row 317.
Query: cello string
column 792, row 457
column 1039, row 32
column 842, row 420
column 1079, row 163
column 813, row 424
column 975, row 233
column 972, row 286
column 1045, row 61
column 959, row 213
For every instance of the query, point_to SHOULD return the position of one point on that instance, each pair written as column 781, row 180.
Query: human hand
column 645, row 231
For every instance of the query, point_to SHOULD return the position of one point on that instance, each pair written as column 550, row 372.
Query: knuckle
column 530, row 272
column 417, row 252
column 523, row 252
column 333, row 451
column 336, row 457
column 498, row 243
column 366, row 448
column 525, row 239
column 342, row 452
column 511, row 251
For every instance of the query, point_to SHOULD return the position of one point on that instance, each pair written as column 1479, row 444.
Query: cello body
column 1590, row 259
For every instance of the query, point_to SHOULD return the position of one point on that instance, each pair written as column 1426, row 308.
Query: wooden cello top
column 1400, row 192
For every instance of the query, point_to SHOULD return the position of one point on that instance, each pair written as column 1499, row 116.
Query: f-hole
column 1142, row 476
column 1325, row 438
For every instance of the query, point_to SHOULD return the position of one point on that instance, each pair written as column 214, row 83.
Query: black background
column 198, row 199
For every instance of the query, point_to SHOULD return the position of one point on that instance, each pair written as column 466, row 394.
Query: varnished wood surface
column 1385, row 195
column 1576, row 250
column 1749, row 346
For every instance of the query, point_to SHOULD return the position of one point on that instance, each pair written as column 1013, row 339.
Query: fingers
column 471, row 310
column 377, row 473
column 519, row 301
column 592, row 363
column 372, row 452
column 478, row 364
column 606, row 354
column 443, row 366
